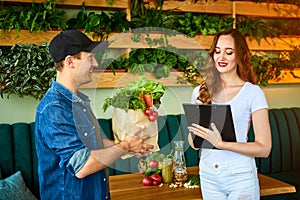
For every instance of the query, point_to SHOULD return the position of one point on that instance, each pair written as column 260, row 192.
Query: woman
column 229, row 172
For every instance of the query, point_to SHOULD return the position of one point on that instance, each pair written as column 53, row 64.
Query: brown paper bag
column 126, row 122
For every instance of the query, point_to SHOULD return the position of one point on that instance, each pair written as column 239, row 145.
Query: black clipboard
column 204, row 115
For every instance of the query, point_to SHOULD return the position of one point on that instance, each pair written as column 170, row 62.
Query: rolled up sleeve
column 78, row 160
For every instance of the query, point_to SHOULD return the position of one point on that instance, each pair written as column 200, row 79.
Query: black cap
column 71, row 42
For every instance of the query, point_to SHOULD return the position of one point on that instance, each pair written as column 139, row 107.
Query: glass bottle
column 179, row 163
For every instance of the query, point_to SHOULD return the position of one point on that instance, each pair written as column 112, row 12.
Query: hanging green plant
column 112, row 64
column 148, row 20
column 191, row 24
column 294, row 57
column 156, row 61
column 26, row 70
column 283, row 26
column 79, row 21
column 190, row 62
column 37, row 17
column 268, row 67
column 100, row 24
column 256, row 28
column 161, row 62
column 153, row 17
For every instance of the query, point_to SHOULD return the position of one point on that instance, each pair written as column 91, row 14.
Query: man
column 72, row 154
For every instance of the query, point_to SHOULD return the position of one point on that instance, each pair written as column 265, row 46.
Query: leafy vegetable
column 193, row 181
column 129, row 97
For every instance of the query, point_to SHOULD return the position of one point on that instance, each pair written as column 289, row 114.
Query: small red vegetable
column 156, row 183
column 157, row 179
column 154, row 113
column 153, row 164
column 148, row 111
column 151, row 118
column 147, row 181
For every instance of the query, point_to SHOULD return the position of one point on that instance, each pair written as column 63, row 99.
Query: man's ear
column 69, row 61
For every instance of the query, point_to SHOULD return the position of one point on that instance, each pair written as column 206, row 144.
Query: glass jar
column 167, row 170
column 179, row 163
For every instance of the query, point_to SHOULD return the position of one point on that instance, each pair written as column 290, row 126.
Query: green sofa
column 18, row 149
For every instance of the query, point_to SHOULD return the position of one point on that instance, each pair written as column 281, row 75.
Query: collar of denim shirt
column 68, row 94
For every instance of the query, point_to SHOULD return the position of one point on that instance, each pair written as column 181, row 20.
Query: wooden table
column 129, row 187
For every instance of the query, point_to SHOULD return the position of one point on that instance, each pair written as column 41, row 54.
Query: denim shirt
column 64, row 136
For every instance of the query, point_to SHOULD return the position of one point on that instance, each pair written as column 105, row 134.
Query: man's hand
column 135, row 144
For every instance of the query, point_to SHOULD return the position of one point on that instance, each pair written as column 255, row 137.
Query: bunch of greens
column 129, row 97
column 193, row 181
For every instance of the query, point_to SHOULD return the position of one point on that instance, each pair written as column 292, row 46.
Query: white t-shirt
column 248, row 100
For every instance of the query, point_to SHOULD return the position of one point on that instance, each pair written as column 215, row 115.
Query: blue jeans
column 233, row 180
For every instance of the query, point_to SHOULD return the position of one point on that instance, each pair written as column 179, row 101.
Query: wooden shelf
column 123, row 40
column 219, row 7
column 102, row 4
column 274, row 44
column 270, row 10
column 121, row 4
column 274, row 10
column 25, row 37
column 287, row 77
column 121, row 79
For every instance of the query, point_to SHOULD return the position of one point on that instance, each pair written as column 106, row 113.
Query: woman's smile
column 222, row 64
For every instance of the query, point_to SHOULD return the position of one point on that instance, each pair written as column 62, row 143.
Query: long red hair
column 243, row 58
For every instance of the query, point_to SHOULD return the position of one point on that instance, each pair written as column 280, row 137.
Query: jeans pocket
column 244, row 168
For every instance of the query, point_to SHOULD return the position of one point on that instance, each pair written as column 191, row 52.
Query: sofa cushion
column 18, row 147
column 18, row 153
column 291, row 177
column 14, row 187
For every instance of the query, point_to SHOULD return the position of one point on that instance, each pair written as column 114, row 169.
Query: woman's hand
column 191, row 142
column 212, row 136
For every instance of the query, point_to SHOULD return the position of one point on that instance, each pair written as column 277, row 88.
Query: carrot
column 142, row 96
column 148, row 100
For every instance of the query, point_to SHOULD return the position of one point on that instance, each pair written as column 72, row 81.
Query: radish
column 147, row 181
column 157, row 179
column 153, row 164
column 151, row 118
column 148, row 111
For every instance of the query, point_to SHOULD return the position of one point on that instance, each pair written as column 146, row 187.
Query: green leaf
column 95, row 20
